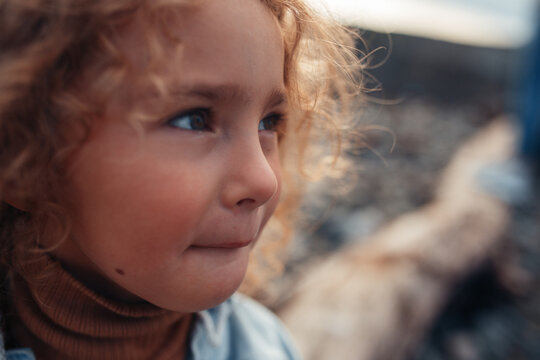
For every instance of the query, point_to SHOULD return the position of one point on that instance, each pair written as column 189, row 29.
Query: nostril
column 245, row 202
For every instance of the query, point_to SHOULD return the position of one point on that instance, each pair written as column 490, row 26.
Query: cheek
column 131, row 210
column 275, row 164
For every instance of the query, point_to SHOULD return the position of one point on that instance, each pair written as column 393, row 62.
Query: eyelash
column 271, row 122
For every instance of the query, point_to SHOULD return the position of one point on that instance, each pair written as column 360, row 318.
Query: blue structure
column 530, row 104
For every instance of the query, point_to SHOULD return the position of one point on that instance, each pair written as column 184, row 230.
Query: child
column 144, row 146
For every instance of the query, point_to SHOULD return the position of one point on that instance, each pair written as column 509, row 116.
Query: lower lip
column 231, row 245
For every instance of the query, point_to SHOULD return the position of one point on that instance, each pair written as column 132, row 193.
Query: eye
column 271, row 122
column 195, row 120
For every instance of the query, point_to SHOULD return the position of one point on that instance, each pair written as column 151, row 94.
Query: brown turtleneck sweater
column 62, row 319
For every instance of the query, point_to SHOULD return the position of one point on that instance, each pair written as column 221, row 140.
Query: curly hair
column 45, row 46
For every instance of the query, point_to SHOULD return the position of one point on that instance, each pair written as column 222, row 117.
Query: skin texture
column 170, row 216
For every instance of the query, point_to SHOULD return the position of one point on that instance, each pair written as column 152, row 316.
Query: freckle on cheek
column 120, row 271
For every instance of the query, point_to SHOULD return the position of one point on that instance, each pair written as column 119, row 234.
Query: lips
column 238, row 233
column 226, row 245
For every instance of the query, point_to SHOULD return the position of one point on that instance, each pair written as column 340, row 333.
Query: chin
column 206, row 300
column 204, row 296
column 220, row 291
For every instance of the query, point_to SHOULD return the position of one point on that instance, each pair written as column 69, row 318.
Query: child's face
column 171, row 216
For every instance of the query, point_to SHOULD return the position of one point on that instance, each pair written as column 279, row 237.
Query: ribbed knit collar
column 60, row 318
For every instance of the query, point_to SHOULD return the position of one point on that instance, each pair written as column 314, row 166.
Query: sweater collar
column 59, row 317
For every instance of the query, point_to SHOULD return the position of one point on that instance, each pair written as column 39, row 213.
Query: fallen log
column 375, row 300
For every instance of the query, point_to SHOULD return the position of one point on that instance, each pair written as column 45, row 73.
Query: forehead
column 215, row 42
column 242, row 30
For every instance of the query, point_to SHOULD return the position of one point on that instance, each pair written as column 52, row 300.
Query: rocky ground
column 495, row 312
column 408, row 144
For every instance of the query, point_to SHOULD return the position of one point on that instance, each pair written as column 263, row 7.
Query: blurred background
column 435, row 253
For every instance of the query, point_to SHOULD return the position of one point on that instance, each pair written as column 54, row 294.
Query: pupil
column 197, row 122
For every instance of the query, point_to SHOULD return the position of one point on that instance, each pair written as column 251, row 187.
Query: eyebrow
column 227, row 92
column 277, row 97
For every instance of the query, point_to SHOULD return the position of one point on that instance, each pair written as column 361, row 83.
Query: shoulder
column 240, row 329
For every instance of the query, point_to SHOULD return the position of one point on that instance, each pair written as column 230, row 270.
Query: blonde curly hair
column 46, row 44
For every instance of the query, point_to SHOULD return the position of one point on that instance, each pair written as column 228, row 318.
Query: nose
column 251, row 179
